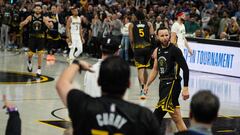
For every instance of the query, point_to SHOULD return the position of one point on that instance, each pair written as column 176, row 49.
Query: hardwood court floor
column 36, row 100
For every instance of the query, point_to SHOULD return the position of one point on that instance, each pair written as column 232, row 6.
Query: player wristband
column 14, row 109
column 79, row 65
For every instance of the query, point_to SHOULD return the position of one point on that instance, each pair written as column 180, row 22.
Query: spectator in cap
column 110, row 47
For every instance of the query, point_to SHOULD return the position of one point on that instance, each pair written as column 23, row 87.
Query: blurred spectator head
column 233, row 19
column 193, row 18
column 114, row 16
column 158, row 19
column 198, row 33
column 206, row 32
column 90, row 8
column 59, row 8
column 119, row 15
column 54, row 9
column 204, row 107
column 44, row 8
column 133, row 17
column 225, row 14
column 74, row 10
column 151, row 14
column 126, row 19
column 114, row 76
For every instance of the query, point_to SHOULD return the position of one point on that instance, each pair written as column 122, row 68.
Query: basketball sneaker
column 53, row 58
column 48, row 57
column 29, row 67
column 38, row 73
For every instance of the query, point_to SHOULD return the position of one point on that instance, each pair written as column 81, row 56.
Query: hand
column 191, row 52
column 185, row 93
column 69, row 42
column 7, row 104
column 85, row 66
column 83, row 41
column 21, row 25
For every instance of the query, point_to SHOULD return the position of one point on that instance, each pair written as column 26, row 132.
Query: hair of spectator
column 114, row 76
column 204, row 106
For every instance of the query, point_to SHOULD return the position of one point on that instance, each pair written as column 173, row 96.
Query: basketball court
column 43, row 113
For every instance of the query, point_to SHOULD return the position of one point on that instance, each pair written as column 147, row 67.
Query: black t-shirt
column 109, row 115
column 7, row 17
column 170, row 60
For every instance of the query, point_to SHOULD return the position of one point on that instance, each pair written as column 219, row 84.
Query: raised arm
column 64, row 83
column 48, row 22
column 25, row 22
column 183, row 65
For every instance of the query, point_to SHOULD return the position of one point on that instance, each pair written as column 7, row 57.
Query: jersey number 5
column 141, row 32
column 102, row 132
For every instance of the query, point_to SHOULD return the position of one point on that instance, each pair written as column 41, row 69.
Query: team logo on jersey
column 162, row 61
column 37, row 25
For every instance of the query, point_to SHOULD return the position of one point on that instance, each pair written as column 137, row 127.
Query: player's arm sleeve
column 183, row 65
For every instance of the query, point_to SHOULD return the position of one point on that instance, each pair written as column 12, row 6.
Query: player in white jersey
column 74, row 34
column 178, row 33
